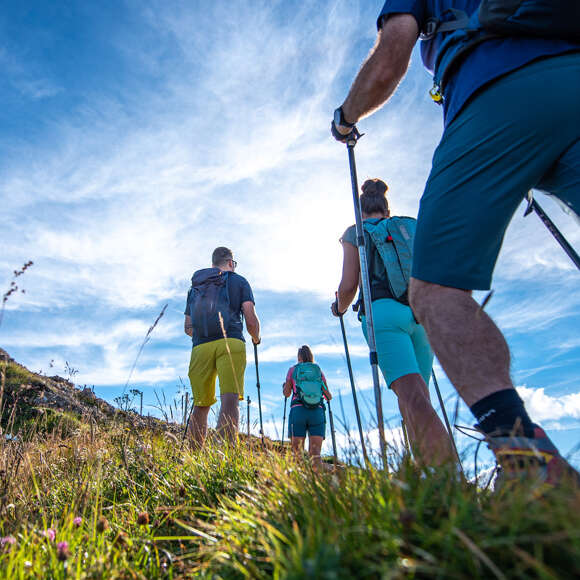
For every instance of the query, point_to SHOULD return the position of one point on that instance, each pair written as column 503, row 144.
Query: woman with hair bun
column 307, row 385
column 404, row 353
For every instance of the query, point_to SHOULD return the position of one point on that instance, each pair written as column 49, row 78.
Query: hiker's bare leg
column 197, row 427
column 227, row 425
column 428, row 437
column 298, row 447
column 314, row 447
column 469, row 346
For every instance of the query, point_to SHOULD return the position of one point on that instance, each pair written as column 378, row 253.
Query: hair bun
column 374, row 187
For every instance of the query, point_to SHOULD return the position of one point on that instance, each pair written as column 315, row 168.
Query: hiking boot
column 531, row 459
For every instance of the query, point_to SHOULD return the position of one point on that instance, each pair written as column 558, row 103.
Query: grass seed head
column 120, row 540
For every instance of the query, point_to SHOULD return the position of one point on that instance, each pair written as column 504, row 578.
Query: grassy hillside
column 90, row 492
column 116, row 502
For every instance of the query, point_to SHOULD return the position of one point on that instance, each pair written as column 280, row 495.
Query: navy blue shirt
column 488, row 61
column 240, row 292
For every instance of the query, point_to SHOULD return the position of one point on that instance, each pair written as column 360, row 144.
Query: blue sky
column 137, row 136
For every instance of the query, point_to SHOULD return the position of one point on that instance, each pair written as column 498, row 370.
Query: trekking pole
column 533, row 205
column 259, row 396
column 332, row 434
column 366, row 291
column 188, row 418
column 446, row 419
column 284, row 420
column 353, row 388
column 405, row 437
column 248, row 417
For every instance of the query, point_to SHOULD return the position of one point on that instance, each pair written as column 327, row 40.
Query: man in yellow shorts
column 216, row 302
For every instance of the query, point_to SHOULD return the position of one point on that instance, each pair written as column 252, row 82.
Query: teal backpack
column 393, row 239
column 309, row 384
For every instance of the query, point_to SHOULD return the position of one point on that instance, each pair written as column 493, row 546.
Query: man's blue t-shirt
column 486, row 62
column 240, row 292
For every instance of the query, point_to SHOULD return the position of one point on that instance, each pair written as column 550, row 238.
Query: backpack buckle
column 430, row 29
column 435, row 94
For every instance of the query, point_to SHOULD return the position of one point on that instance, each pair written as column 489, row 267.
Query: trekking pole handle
column 353, row 137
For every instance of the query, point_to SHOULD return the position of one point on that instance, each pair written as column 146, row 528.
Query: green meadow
column 81, row 498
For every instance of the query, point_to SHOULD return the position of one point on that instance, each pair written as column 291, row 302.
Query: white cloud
column 543, row 407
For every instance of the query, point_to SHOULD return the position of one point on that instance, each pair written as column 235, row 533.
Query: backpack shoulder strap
column 435, row 26
column 295, row 372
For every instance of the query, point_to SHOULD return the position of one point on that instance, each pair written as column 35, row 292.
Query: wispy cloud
column 31, row 83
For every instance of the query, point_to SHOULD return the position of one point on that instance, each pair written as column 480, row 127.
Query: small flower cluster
column 7, row 541
column 62, row 551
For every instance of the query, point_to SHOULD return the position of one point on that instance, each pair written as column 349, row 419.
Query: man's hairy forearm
column 253, row 326
column 383, row 69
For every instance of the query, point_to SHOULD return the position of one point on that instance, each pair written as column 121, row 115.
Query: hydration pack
column 309, row 384
column 209, row 299
column 550, row 19
column 393, row 240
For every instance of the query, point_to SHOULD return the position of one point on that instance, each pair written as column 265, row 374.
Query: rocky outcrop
column 25, row 395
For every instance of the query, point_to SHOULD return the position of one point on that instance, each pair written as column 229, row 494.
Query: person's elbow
column 348, row 287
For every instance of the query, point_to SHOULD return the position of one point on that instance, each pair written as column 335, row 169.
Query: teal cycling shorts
column 303, row 421
column 402, row 345
column 520, row 132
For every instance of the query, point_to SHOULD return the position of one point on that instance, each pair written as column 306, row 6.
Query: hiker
column 512, row 123
column 216, row 302
column 405, row 357
column 307, row 385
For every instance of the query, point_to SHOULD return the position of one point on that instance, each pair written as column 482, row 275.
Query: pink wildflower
column 77, row 521
column 7, row 541
column 62, row 552
column 50, row 534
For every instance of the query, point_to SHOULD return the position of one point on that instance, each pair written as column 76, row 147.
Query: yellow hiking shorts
column 224, row 358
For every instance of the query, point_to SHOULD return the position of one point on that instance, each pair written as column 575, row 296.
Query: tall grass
column 131, row 504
